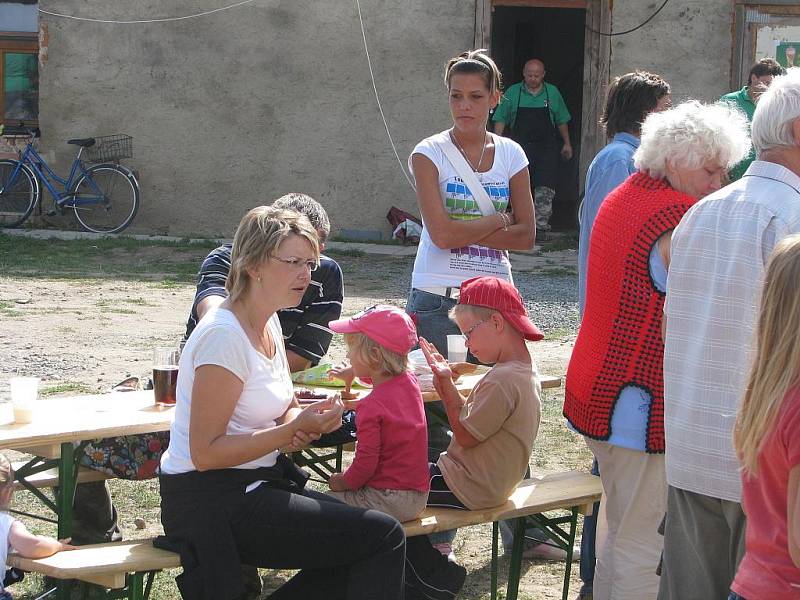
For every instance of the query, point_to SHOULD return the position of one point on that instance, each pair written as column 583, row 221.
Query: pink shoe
column 547, row 552
column 446, row 550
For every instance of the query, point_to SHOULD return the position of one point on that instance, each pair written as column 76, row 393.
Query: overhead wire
column 377, row 97
column 139, row 21
column 627, row 31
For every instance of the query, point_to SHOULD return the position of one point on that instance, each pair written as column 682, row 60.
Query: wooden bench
column 131, row 566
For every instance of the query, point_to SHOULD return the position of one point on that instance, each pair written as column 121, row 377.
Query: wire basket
column 109, row 147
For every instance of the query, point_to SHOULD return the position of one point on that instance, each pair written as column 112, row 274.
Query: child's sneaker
column 446, row 550
column 429, row 575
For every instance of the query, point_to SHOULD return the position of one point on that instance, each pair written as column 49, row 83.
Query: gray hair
column 309, row 207
column 690, row 135
column 776, row 110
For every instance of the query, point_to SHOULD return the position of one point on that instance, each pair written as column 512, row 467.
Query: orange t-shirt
column 503, row 413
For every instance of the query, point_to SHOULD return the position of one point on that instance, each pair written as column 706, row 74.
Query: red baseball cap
column 387, row 325
column 502, row 296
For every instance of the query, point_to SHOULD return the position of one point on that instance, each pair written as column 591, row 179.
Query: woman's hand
column 337, row 483
column 320, row 417
column 300, row 441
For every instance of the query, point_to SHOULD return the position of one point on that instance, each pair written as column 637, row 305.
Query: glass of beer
column 165, row 375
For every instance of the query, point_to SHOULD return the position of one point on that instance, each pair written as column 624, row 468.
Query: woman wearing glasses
column 229, row 496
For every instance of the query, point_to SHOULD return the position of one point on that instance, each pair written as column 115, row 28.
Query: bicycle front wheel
column 19, row 191
column 105, row 198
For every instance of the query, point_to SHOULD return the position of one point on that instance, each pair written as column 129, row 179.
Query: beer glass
column 165, row 375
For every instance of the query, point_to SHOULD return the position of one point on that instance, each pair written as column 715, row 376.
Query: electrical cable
column 139, row 21
column 645, row 22
column 378, row 100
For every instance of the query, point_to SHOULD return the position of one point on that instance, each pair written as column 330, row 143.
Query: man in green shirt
column 538, row 117
column 745, row 99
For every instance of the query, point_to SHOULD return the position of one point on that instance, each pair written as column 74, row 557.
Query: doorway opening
column 555, row 36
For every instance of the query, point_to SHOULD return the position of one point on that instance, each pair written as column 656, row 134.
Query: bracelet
column 505, row 219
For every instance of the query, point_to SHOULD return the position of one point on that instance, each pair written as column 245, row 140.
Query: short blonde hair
column 258, row 235
column 386, row 361
column 479, row 312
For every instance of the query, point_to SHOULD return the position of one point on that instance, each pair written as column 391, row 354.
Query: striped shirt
column 305, row 327
column 719, row 254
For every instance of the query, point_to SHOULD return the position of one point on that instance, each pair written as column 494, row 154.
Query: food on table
column 348, row 395
column 463, row 368
column 306, row 394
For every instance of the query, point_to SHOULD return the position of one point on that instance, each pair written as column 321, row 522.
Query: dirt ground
column 83, row 334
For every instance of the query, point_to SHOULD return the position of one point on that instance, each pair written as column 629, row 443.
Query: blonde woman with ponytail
column 767, row 438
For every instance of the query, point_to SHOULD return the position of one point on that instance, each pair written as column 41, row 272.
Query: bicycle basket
column 108, row 148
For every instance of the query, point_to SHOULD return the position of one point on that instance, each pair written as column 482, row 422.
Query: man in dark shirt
column 305, row 327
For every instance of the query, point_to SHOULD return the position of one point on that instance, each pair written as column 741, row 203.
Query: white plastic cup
column 24, row 393
column 456, row 348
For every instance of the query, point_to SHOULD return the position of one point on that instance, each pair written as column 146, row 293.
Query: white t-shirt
column 437, row 267
column 220, row 340
column 6, row 521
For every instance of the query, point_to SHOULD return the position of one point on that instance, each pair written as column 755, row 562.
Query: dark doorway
column 555, row 36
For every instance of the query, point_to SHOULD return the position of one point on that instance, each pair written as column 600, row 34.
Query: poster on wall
column 788, row 54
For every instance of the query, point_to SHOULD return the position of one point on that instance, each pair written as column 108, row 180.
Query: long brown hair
column 776, row 365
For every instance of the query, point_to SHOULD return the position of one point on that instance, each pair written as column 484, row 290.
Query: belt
column 447, row 292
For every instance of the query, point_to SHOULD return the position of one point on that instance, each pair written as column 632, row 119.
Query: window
column 19, row 79
column 770, row 30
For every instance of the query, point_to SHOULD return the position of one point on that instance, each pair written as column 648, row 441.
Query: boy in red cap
column 390, row 469
column 495, row 426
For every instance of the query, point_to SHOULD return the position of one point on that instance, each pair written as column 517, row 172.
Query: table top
column 78, row 418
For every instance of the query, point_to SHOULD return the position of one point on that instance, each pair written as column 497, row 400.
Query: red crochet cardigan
column 619, row 342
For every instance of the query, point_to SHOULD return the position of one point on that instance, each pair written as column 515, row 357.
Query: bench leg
column 573, row 526
column 495, row 529
column 136, row 586
column 515, row 569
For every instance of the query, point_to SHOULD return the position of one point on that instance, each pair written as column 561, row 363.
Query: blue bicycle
column 104, row 196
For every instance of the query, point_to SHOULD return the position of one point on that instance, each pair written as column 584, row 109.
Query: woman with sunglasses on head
column 228, row 494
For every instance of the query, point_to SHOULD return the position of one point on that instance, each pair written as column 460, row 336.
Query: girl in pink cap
column 390, row 469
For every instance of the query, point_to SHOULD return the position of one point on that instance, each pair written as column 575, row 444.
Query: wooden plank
column 78, row 418
column 100, row 562
column 49, row 478
column 536, row 495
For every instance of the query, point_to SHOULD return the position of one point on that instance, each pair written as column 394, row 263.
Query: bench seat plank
column 49, row 478
column 535, row 495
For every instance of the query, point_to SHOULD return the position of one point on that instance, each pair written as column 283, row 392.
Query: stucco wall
column 239, row 107
column 689, row 43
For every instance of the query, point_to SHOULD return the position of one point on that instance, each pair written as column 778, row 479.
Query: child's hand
column 337, row 483
column 437, row 362
column 345, row 373
column 65, row 545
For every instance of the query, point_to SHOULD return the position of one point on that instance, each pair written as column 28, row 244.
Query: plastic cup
column 24, row 392
column 165, row 375
column 456, row 348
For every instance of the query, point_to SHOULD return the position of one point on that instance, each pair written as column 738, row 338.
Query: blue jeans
column 587, row 543
column 735, row 596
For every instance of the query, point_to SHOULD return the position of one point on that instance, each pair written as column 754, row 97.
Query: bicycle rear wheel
column 19, row 191
column 105, row 198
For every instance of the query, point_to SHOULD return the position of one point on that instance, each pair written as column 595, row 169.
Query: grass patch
column 568, row 241
column 121, row 258
column 558, row 271
column 382, row 242
column 68, row 387
column 355, row 252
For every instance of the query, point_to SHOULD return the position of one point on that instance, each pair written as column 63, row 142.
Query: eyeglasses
column 469, row 331
column 298, row 264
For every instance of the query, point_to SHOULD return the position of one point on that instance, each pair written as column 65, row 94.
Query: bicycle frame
column 31, row 158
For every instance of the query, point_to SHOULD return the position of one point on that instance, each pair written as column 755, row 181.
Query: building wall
column 689, row 43
column 239, row 107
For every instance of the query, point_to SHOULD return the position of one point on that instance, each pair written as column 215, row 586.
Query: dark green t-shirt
column 507, row 109
column 741, row 100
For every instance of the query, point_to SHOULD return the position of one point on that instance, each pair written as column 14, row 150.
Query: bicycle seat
column 83, row 142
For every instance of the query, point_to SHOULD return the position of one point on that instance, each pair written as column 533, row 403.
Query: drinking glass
column 456, row 348
column 24, row 393
column 165, row 375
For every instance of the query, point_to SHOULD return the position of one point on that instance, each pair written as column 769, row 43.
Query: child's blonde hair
column 479, row 312
column 776, row 365
column 6, row 481
column 382, row 360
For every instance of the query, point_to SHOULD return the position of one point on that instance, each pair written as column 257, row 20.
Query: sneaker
column 548, row 552
column 446, row 550
column 442, row 584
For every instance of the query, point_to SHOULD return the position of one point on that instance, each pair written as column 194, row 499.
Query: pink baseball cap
column 387, row 325
column 502, row 296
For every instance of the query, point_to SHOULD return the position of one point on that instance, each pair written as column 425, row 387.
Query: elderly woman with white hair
column 614, row 388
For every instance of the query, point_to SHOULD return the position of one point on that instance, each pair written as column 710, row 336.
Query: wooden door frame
column 596, row 65
column 743, row 47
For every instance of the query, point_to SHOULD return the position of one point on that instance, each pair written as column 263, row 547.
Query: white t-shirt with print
column 6, row 521
column 437, row 267
column 220, row 340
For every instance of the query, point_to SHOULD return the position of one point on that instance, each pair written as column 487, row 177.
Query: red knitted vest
column 619, row 342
